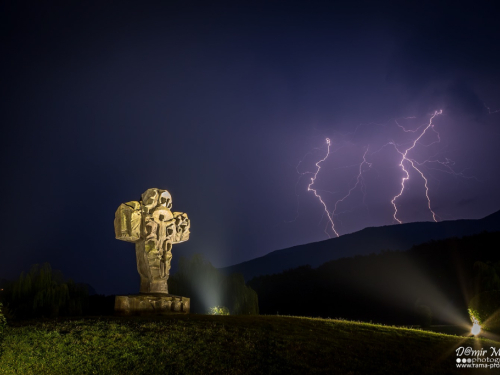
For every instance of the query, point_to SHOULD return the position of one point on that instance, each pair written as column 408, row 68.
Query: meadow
column 205, row 344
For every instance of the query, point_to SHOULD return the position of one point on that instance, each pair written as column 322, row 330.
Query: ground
column 203, row 344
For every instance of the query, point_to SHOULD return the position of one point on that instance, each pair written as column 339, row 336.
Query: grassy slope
column 199, row 344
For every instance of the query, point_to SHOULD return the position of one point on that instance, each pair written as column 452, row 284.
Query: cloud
column 447, row 60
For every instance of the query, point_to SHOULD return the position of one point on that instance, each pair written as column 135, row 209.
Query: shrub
column 218, row 310
column 485, row 308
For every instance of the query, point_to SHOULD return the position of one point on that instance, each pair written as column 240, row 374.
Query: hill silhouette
column 366, row 241
column 392, row 287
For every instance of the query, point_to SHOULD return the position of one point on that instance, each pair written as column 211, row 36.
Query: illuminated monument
column 153, row 228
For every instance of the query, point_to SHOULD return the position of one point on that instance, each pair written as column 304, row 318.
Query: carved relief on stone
column 128, row 222
column 154, row 229
column 182, row 225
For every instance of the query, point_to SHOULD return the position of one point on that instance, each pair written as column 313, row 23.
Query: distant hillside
column 366, row 241
column 386, row 288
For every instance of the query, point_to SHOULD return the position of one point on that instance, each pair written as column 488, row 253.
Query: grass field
column 203, row 344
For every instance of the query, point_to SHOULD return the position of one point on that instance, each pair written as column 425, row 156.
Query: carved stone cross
column 153, row 228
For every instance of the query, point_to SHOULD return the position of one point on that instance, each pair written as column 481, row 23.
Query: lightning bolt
column 406, row 160
column 359, row 180
column 447, row 168
column 402, row 127
column 404, row 157
column 302, row 174
column 490, row 112
column 310, row 188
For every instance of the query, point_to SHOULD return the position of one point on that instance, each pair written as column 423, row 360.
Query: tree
column 485, row 309
column 44, row 292
column 240, row 299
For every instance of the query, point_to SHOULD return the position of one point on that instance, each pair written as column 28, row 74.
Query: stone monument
column 153, row 228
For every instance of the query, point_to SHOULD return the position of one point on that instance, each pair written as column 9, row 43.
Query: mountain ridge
column 365, row 241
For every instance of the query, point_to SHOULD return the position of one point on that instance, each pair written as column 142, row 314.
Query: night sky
column 228, row 106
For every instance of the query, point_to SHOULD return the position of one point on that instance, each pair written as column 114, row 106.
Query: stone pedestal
column 151, row 304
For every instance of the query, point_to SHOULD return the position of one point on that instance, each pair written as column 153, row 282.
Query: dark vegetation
column 3, row 321
column 44, row 292
column 208, row 287
column 432, row 281
column 204, row 344
column 484, row 307
column 428, row 284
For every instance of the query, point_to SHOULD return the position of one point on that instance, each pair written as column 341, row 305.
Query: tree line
column 44, row 292
column 436, row 279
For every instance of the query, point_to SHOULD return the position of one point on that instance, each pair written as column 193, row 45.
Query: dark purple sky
column 218, row 104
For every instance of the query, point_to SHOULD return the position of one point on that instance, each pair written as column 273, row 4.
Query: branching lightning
column 313, row 180
column 404, row 157
column 359, row 181
column 406, row 161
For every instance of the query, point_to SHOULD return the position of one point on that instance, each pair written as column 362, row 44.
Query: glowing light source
column 476, row 327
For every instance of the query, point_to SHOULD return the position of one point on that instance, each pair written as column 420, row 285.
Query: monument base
column 151, row 304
